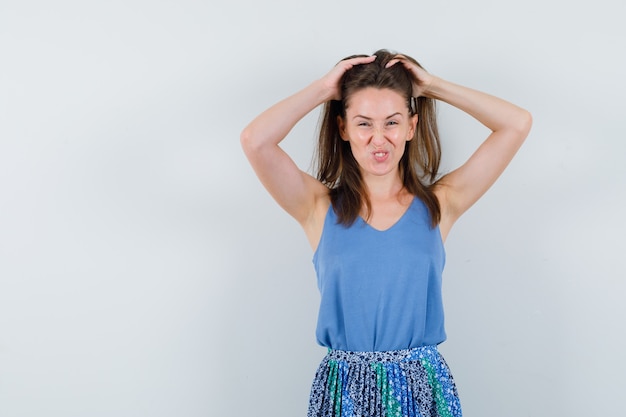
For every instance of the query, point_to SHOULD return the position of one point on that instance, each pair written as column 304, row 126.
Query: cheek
column 397, row 135
column 360, row 136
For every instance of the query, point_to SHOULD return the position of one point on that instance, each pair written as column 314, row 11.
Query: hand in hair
column 332, row 79
column 422, row 80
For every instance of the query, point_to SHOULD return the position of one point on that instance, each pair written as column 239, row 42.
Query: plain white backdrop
column 144, row 271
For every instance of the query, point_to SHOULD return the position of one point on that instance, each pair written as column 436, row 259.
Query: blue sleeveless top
column 380, row 290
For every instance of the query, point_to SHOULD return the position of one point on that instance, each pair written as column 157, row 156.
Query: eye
column 392, row 123
column 363, row 124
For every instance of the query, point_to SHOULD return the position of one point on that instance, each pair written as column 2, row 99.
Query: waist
column 402, row 355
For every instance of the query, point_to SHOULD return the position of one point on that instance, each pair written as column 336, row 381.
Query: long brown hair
column 419, row 165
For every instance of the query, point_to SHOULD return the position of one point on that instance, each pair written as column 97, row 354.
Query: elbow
column 519, row 124
column 525, row 122
column 246, row 139
column 255, row 141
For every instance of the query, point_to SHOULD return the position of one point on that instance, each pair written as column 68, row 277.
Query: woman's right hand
column 331, row 80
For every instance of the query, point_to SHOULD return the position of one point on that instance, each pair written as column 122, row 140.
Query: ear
column 412, row 126
column 342, row 128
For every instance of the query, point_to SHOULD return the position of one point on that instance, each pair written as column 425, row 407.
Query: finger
column 369, row 58
column 395, row 60
column 392, row 63
column 360, row 60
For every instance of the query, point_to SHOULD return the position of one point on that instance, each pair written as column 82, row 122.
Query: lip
column 380, row 155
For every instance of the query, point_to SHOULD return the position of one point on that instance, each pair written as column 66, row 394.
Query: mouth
column 380, row 156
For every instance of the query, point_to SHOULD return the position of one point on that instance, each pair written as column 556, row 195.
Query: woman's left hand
column 422, row 80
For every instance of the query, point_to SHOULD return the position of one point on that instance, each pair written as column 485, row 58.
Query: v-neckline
column 394, row 224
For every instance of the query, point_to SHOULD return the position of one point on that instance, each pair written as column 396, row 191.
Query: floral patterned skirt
column 401, row 383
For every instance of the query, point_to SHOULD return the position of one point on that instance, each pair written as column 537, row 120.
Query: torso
column 380, row 289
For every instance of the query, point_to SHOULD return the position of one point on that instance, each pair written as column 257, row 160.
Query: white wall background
column 145, row 272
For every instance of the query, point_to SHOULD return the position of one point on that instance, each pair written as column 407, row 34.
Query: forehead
column 372, row 101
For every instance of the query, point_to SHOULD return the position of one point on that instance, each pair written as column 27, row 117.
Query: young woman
column 376, row 217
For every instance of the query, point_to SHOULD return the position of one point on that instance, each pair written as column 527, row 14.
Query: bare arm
column 509, row 125
column 293, row 189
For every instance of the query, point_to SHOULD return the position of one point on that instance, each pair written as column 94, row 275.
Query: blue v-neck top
column 380, row 290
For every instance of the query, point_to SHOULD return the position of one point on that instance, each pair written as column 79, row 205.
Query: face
column 377, row 125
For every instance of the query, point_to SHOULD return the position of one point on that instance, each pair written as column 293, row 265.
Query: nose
column 378, row 136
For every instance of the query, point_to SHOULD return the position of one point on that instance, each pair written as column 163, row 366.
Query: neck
column 384, row 188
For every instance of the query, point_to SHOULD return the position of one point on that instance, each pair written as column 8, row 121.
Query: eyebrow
column 369, row 118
